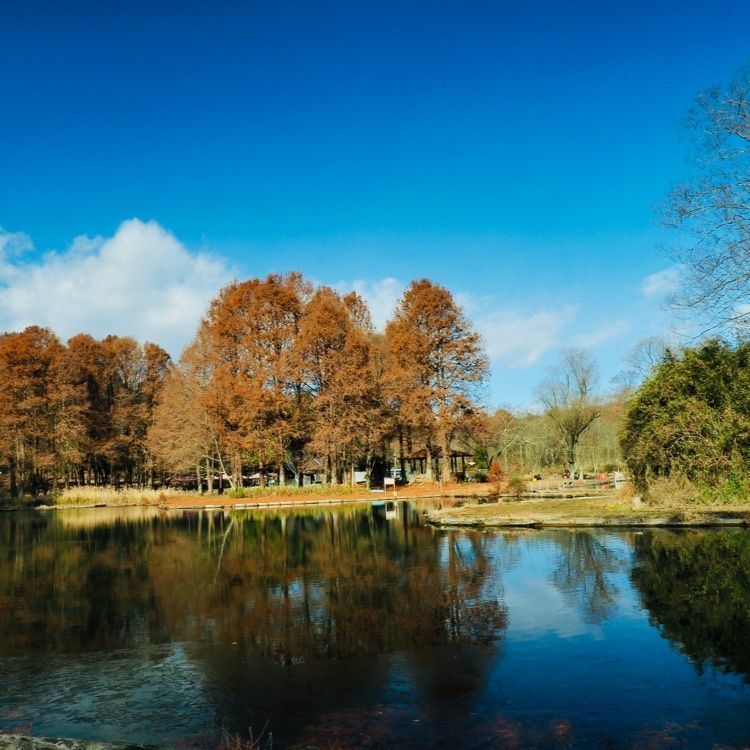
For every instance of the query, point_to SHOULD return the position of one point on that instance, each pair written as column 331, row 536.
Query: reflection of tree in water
column 292, row 586
column 696, row 587
column 583, row 573
column 75, row 589
column 255, row 594
column 297, row 587
column 297, row 592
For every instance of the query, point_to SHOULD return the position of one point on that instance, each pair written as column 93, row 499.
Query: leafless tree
column 641, row 360
column 568, row 396
column 712, row 209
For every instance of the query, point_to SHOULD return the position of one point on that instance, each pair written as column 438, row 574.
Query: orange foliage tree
column 279, row 378
column 77, row 413
column 436, row 367
column 335, row 358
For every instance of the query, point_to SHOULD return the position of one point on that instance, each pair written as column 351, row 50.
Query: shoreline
column 601, row 512
column 477, row 509
column 227, row 502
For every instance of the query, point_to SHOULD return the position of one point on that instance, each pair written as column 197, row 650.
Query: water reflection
column 253, row 594
column 584, row 573
column 696, row 587
column 343, row 627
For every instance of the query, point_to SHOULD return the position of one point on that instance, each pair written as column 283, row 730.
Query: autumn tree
column 27, row 407
column 69, row 394
column 436, row 366
column 252, row 326
column 334, row 357
column 186, row 435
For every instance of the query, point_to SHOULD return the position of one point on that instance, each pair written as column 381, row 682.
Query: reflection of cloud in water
column 537, row 607
column 568, row 583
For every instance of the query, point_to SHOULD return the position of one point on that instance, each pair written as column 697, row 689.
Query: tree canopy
column 691, row 417
column 280, row 379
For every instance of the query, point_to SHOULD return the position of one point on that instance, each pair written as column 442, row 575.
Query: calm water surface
column 338, row 628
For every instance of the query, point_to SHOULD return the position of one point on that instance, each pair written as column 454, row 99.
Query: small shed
column 416, row 462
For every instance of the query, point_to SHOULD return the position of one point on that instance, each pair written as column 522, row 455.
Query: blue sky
column 514, row 152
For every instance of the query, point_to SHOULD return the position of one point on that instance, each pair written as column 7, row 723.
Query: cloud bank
column 141, row 282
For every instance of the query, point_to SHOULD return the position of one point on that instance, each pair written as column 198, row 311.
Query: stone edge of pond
column 706, row 520
column 25, row 742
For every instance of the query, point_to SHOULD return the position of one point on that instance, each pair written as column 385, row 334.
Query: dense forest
column 281, row 379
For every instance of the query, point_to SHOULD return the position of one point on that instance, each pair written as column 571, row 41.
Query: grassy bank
column 601, row 511
column 678, row 491
column 135, row 496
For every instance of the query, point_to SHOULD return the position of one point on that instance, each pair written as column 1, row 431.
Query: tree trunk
column 401, row 461
column 236, row 481
column 428, row 475
column 13, row 478
column 445, row 470
column 334, row 472
column 209, row 477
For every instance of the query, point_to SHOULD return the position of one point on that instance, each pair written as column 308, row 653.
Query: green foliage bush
column 691, row 419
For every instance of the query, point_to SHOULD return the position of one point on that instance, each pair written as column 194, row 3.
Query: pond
column 341, row 627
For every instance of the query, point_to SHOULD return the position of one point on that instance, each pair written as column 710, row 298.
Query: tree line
column 77, row 412
column 281, row 378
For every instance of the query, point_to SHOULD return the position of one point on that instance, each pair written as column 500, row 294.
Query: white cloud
column 518, row 341
column 141, row 282
column 662, row 282
column 12, row 244
column 601, row 335
column 514, row 340
column 381, row 296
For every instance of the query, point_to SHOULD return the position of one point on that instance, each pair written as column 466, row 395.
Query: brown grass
column 264, row 741
column 178, row 498
column 597, row 511
column 113, row 496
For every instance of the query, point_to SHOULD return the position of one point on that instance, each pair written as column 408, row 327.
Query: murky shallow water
column 339, row 628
